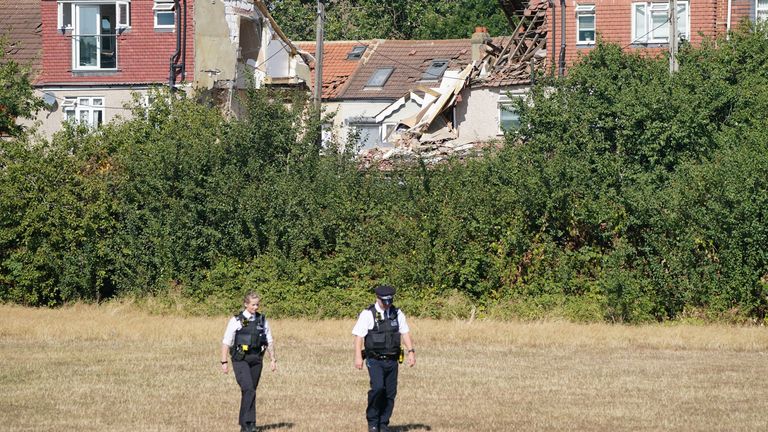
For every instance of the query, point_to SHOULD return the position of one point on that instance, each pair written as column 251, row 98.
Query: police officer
column 380, row 329
column 246, row 339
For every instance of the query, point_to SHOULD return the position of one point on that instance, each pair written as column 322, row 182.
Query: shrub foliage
column 630, row 195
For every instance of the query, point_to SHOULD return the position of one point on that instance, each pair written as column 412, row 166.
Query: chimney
column 479, row 38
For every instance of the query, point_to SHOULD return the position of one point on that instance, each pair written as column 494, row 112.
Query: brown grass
column 113, row 368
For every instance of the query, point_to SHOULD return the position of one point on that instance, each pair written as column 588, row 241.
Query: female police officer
column 246, row 338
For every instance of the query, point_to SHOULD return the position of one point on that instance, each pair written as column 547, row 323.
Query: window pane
column 682, row 19
column 660, row 25
column 66, row 16
column 122, row 15
column 587, row 22
column 640, row 28
column 84, row 116
column 165, row 18
column 435, row 70
column 510, row 119
column 88, row 21
column 98, row 117
column 380, row 77
column 586, row 35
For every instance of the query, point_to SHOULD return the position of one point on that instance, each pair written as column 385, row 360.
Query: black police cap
column 384, row 291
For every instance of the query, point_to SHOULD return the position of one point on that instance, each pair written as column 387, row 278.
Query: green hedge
column 630, row 195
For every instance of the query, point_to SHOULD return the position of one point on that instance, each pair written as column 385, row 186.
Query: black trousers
column 247, row 374
column 381, row 396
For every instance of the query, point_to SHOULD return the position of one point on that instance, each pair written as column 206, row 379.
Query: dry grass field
column 114, row 368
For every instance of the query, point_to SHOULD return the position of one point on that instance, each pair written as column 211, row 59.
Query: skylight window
column 357, row 52
column 380, row 77
column 435, row 70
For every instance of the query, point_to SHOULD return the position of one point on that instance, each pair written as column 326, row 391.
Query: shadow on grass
column 274, row 426
column 410, row 427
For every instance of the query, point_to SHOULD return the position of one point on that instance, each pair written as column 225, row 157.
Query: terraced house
column 91, row 57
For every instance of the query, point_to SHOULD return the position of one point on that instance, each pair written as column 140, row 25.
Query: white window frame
column 386, row 130
column 761, row 11
column 76, row 106
column 505, row 102
column 164, row 7
column 646, row 35
column 123, row 17
column 61, row 24
column 122, row 13
column 584, row 11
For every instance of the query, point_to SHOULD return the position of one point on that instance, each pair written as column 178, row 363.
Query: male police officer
column 380, row 329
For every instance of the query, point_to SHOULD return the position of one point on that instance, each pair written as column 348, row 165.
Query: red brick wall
column 613, row 23
column 143, row 53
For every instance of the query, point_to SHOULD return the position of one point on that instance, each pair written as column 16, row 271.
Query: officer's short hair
column 251, row 295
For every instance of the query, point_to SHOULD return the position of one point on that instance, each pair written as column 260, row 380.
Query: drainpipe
column 174, row 67
column 554, row 34
column 561, row 68
column 184, row 44
column 728, row 21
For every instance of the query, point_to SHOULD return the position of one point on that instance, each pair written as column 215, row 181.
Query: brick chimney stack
column 479, row 38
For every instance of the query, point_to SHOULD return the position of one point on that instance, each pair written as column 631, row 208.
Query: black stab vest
column 384, row 337
column 253, row 333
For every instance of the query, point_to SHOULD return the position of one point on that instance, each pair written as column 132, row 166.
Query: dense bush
column 630, row 195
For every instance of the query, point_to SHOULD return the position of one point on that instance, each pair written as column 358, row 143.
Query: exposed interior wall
column 215, row 44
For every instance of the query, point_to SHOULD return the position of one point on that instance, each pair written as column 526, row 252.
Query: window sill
column 100, row 72
column 585, row 44
column 650, row 45
column 165, row 29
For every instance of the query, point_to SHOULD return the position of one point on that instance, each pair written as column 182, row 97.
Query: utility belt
column 378, row 356
column 238, row 352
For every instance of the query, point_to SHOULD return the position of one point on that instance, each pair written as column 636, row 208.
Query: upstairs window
column 379, row 77
column 84, row 110
column 165, row 16
column 585, row 24
column 435, row 71
column 761, row 10
column 357, row 52
column 94, row 26
column 650, row 22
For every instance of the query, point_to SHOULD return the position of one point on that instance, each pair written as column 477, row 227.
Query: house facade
column 95, row 56
column 641, row 25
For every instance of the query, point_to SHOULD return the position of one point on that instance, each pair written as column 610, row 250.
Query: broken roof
column 409, row 60
column 20, row 22
column 337, row 66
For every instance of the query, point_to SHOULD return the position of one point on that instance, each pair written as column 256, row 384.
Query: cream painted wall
column 49, row 121
column 345, row 110
column 477, row 119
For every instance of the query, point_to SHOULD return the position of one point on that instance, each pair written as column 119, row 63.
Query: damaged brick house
column 93, row 55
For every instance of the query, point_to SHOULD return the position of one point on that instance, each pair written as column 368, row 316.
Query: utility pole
column 673, row 37
column 318, row 94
